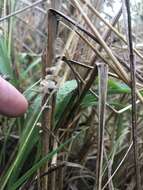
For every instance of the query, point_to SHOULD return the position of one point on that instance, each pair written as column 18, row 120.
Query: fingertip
column 12, row 102
column 21, row 106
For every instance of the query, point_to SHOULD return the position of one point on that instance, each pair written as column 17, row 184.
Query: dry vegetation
column 79, row 64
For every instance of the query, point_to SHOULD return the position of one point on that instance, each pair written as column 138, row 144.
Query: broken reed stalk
column 103, row 81
column 47, row 115
column 134, row 98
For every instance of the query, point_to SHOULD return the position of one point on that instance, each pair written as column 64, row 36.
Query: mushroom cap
column 12, row 102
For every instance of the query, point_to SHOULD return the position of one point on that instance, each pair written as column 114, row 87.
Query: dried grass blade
column 127, row 21
column 103, row 81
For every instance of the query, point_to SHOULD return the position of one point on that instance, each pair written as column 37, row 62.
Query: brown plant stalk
column 134, row 97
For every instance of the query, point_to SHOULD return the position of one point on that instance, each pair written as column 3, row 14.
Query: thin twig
column 134, row 98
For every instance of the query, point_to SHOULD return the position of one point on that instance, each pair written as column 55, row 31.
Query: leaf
column 89, row 100
column 65, row 89
column 64, row 94
column 63, row 97
column 115, row 87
